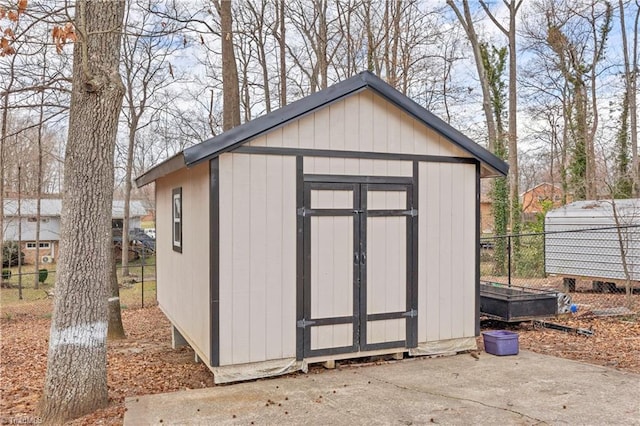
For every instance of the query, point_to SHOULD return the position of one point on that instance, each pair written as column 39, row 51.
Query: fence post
column 509, row 260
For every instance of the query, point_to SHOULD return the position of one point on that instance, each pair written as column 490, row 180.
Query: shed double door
column 358, row 263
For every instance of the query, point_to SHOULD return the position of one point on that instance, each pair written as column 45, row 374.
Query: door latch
column 411, row 314
column 304, row 323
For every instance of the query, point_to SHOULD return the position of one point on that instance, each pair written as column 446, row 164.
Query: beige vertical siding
column 331, row 336
column 183, row 278
column 361, row 122
column 357, row 167
column 257, row 257
column 386, row 274
column 340, row 199
column 331, row 278
column 446, row 247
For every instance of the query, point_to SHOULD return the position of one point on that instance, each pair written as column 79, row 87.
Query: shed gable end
column 361, row 122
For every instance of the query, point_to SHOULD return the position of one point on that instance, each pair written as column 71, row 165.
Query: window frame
column 176, row 219
column 43, row 245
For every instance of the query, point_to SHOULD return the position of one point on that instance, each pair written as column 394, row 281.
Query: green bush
column 530, row 260
column 6, row 274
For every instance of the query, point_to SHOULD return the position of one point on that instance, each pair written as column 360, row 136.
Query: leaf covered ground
column 144, row 363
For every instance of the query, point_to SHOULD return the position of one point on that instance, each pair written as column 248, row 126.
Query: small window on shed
column 177, row 219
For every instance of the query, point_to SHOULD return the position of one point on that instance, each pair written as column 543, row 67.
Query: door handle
column 363, row 258
column 356, row 258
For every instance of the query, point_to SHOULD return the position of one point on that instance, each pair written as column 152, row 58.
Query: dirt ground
column 144, row 363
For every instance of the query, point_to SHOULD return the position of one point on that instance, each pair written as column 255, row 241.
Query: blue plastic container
column 500, row 342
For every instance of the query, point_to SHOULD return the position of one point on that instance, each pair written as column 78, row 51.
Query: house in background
column 486, row 209
column 532, row 200
column 343, row 225
column 50, row 210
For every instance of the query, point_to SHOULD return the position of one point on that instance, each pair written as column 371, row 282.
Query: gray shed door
column 358, row 264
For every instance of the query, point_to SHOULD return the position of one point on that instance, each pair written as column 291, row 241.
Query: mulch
column 145, row 363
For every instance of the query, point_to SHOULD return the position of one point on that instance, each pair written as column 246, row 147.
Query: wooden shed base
column 259, row 370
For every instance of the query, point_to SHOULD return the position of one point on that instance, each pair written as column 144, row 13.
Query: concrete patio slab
column 525, row 389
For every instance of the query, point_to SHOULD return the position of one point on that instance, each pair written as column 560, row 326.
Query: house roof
column 235, row 137
column 555, row 187
column 52, row 207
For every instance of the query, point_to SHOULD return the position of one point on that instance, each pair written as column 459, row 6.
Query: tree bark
column 282, row 45
column 76, row 378
column 230, row 89
column 133, row 127
column 115, row 329
column 630, row 80
column 512, row 156
column 323, row 40
column 514, row 173
column 38, row 192
column 3, row 139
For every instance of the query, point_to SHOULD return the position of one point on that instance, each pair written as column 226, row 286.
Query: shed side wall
column 446, row 250
column 257, row 258
column 183, row 278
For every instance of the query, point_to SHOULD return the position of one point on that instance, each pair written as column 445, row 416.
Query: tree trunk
column 514, row 173
column 633, row 102
column 282, row 44
column 3, row 140
column 393, row 71
column 115, row 329
column 36, row 280
column 230, row 89
column 20, row 259
column 133, row 126
column 467, row 23
column 76, row 378
column 370, row 47
column 323, row 40
column 38, row 192
column 630, row 80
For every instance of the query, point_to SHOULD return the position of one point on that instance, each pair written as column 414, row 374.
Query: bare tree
column 256, row 18
column 146, row 73
column 280, row 35
column 38, row 193
column 631, row 85
column 572, row 35
column 27, row 88
column 466, row 20
column 514, row 175
column 230, row 85
column 76, row 379
column 317, row 26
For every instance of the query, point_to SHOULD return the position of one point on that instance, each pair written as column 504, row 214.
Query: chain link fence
column 592, row 271
column 21, row 295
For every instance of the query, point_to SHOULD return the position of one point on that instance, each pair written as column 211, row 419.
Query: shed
column 584, row 239
column 345, row 224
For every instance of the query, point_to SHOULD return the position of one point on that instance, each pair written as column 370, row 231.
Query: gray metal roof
column 52, row 207
column 628, row 208
column 235, row 137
